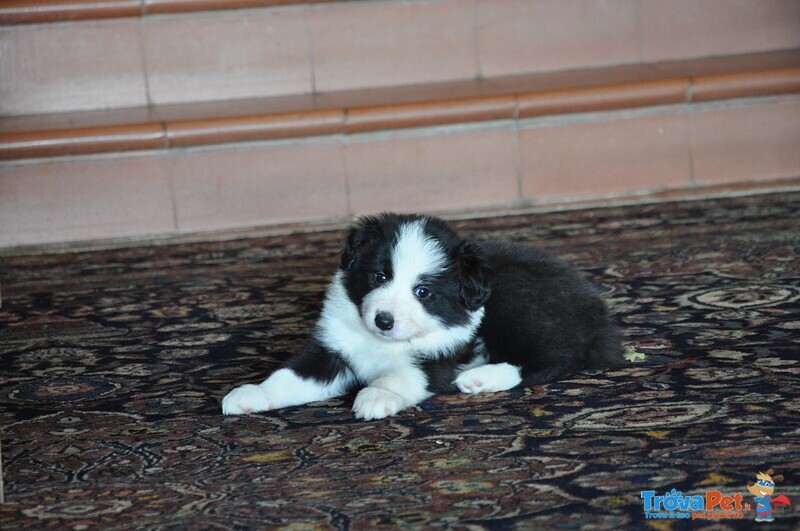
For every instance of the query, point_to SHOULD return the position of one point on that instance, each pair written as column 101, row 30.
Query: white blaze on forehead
column 416, row 254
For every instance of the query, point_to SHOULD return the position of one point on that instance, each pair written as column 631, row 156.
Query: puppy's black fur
column 541, row 315
column 544, row 317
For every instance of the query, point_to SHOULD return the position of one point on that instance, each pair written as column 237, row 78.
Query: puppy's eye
column 379, row 277
column 421, row 292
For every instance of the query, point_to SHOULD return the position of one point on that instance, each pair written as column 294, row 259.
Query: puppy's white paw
column 488, row 378
column 247, row 398
column 375, row 403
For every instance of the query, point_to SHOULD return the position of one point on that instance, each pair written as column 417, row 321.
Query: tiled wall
column 131, row 66
column 426, row 169
column 193, row 57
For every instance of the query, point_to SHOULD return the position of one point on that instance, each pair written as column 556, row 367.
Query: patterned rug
column 114, row 364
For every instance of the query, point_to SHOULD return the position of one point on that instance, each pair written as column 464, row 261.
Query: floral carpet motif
column 113, row 364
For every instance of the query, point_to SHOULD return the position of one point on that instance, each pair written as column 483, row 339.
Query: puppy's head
column 411, row 276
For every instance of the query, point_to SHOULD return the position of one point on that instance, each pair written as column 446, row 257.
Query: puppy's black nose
column 384, row 321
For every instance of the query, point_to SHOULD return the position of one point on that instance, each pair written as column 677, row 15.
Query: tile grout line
column 143, row 52
column 639, row 26
column 476, row 44
column 518, row 162
column 174, row 198
column 690, row 131
column 346, row 169
column 312, row 57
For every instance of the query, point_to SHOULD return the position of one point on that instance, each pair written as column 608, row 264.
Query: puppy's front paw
column 247, row 398
column 488, row 378
column 375, row 403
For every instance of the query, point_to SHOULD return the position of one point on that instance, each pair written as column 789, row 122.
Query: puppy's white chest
column 370, row 358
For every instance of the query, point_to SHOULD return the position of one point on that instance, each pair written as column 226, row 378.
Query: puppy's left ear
column 475, row 275
column 362, row 232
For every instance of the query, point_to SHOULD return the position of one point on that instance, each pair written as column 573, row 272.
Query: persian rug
column 113, row 364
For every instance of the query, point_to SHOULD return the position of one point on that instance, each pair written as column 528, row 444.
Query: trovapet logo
column 713, row 504
column 674, row 504
column 762, row 490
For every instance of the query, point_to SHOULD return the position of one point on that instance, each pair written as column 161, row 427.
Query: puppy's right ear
column 363, row 231
column 475, row 275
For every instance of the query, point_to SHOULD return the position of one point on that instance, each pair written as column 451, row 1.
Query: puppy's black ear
column 475, row 275
column 362, row 232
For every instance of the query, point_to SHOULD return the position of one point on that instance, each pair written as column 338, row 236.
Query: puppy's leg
column 312, row 375
column 489, row 378
column 391, row 392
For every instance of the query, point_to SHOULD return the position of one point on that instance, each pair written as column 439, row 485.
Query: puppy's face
column 412, row 276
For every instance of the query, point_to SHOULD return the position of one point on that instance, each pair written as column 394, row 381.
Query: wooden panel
column 77, row 141
column 744, row 84
column 312, row 123
column 604, row 98
column 430, row 113
column 41, row 11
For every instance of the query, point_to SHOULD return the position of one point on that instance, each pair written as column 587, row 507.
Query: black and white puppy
column 415, row 310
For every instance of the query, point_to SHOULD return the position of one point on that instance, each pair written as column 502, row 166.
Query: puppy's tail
column 606, row 351
column 546, row 376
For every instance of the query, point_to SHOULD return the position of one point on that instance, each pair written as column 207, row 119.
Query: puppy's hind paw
column 468, row 384
column 247, row 398
column 488, row 378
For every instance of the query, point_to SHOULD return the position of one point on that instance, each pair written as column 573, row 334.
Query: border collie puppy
column 416, row 310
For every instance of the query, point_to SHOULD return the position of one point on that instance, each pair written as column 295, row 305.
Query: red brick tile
column 436, row 172
column 679, row 29
column 757, row 142
column 520, row 36
column 591, row 158
column 378, row 44
column 192, row 58
column 84, row 200
column 43, row 11
column 259, row 185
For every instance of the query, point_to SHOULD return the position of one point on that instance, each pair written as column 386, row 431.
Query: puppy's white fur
column 488, row 378
column 391, row 392
column 283, row 388
column 373, row 357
